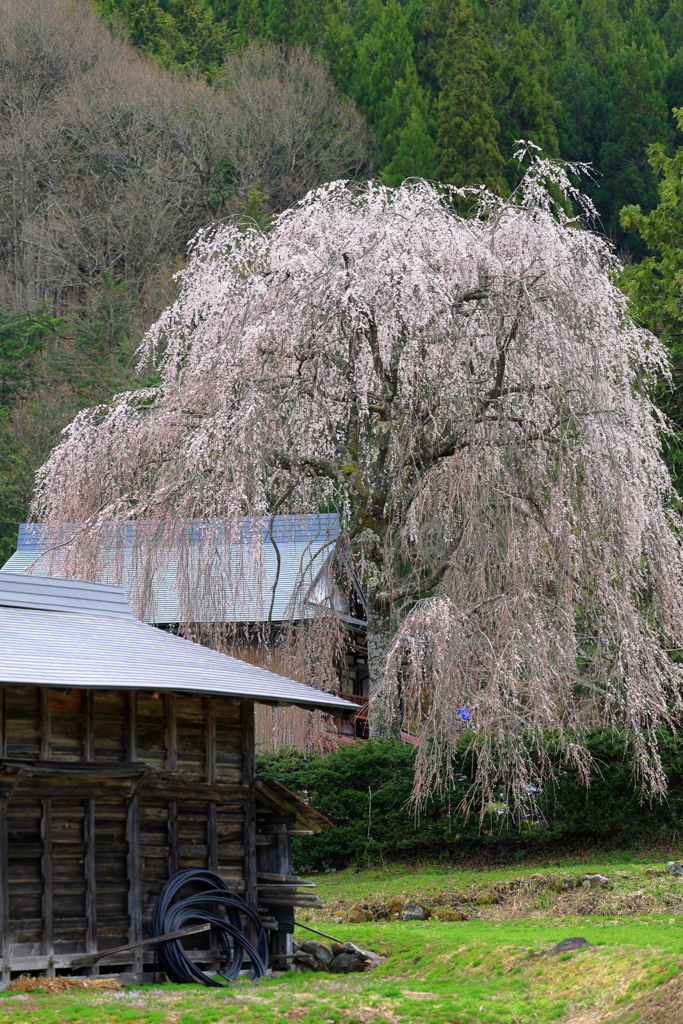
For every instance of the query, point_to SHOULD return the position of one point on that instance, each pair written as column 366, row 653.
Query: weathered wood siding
column 85, row 864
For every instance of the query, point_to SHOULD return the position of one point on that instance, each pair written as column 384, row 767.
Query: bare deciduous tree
column 108, row 164
column 289, row 129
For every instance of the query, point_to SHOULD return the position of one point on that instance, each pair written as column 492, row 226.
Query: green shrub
column 364, row 789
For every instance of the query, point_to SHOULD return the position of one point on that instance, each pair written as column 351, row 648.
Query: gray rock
column 414, row 912
column 346, row 963
column 675, row 867
column 309, row 946
column 567, row 945
column 307, row 962
column 595, row 881
column 363, row 954
column 324, row 954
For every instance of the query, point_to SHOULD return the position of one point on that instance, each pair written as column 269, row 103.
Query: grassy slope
column 638, row 887
column 483, row 970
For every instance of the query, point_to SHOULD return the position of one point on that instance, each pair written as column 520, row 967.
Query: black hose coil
column 205, row 907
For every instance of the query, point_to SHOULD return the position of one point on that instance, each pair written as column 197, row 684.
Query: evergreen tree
column 412, row 156
column 179, row 33
column 637, row 114
column 385, row 56
column 249, row 22
column 654, row 284
column 520, row 88
column 467, row 150
column 340, row 48
column 309, row 23
column 584, row 79
column 406, row 132
column 281, row 16
column 670, row 26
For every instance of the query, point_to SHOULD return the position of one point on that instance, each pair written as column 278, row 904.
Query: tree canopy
column 473, row 398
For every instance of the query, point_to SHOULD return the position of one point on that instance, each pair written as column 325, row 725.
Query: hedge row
column 364, row 789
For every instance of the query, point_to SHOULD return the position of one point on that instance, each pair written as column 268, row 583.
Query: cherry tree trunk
column 384, row 719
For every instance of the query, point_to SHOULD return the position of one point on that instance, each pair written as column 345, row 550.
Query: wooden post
column 4, row 891
column 45, row 723
column 171, row 765
column 133, row 831
column 90, row 865
column 3, row 717
column 48, row 893
column 248, row 752
column 4, row 852
column 211, row 811
column 46, row 833
column 210, row 776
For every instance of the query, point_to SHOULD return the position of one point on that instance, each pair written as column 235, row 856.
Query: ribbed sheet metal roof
column 223, row 578
column 50, row 595
column 72, row 634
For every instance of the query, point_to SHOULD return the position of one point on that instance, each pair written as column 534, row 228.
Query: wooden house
column 127, row 754
column 294, row 573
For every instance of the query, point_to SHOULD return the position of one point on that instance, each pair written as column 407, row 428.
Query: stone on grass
column 675, row 867
column 346, row 963
column 306, row 962
column 567, row 945
column 309, row 946
column 450, row 915
column 483, row 899
column 562, row 883
column 357, row 915
column 394, row 909
column 595, row 881
column 415, row 912
column 324, row 954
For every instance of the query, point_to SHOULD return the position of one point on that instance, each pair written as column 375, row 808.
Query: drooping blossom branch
column 472, row 397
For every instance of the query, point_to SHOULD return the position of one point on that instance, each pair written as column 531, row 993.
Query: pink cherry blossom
column 472, row 397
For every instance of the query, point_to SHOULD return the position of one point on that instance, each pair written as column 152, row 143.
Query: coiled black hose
column 205, row 907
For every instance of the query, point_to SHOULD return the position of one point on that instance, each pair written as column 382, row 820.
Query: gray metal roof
column 206, row 575
column 50, row 595
column 66, row 633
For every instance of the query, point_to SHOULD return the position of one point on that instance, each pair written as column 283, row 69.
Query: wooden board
column 102, row 796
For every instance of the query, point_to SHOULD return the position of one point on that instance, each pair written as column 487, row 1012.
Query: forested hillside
column 449, row 85
column 125, row 125
column 109, row 164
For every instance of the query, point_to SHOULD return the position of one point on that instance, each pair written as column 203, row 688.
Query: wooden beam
column 4, row 894
column 211, row 810
column 248, row 780
column 4, row 851
column 63, row 784
column 210, row 778
column 45, row 723
column 89, row 829
column 46, row 833
column 3, row 721
column 48, row 891
column 133, row 835
column 81, row 961
column 171, row 766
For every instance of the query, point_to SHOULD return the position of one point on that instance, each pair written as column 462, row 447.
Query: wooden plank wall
column 84, row 874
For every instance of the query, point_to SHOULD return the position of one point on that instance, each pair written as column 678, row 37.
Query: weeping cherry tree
column 470, row 394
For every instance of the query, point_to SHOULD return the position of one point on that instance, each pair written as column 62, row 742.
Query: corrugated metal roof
column 50, row 595
column 206, row 574
column 61, row 644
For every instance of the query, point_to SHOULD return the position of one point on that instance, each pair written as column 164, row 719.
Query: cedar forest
column 115, row 154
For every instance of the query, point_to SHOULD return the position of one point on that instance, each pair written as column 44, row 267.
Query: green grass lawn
column 482, row 970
